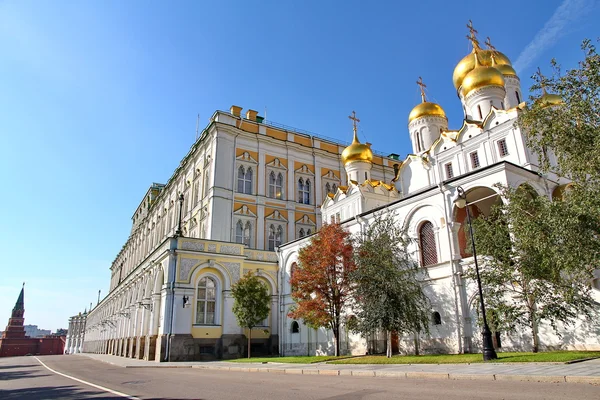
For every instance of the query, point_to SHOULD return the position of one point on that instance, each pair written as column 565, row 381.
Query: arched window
column 427, row 244
column 279, row 186
column 308, row 233
column 248, row 234
column 272, row 184
column 279, row 236
column 295, row 328
column 272, row 237
column 518, row 97
column 301, row 233
column 436, row 318
column 239, row 232
column 418, row 141
column 206, row 301
column 244, row 180
column 275, row 185
column 327, row 188
column 480, row 113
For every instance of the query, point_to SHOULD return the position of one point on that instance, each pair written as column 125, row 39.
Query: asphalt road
column 27, row 378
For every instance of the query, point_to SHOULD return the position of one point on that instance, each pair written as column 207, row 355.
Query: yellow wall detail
column 332, row 148
column 253, row 154
column 299, row 164
column 303, row 140
column 276, row 133
column 206, row 332
column 269, row 159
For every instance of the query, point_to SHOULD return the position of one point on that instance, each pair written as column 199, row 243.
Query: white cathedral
column 250, row 193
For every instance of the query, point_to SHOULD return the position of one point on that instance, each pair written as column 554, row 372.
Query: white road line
column 88, row 383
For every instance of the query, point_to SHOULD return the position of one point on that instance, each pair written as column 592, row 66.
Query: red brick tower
column 15, row 329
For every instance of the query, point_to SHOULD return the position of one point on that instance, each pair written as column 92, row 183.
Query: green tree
column 388, row 289
column 321, row 285
column 251, row 302
column 536, row 267
column 571, row 130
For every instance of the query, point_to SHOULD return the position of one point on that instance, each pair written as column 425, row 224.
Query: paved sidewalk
column 581, row 372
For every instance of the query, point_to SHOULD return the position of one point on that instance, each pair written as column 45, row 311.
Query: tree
column 251, row 302
column 321, row 285
column 388, row 293
column 537, row 264
column 570, row 130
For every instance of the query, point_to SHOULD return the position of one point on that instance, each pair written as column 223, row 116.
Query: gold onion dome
column 506, row 70
column 467, row 64
column 550, row 99
column 357, row 152
column 481, row 76
column 426, row 109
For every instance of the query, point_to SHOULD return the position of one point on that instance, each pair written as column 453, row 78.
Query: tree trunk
column 416, row 339
column 388, row 352
column 336, row 339
column 536, row 339
column 249, row 339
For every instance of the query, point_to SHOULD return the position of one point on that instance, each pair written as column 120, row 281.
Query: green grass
column 550, row 356
column 288, row 360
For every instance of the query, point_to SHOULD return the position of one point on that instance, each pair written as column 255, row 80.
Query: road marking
column 88, row 383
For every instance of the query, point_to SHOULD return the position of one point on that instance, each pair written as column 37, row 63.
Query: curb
column 594, row 380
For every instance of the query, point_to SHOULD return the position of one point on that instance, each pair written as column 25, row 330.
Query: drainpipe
column 453, row 263
column 280, row 300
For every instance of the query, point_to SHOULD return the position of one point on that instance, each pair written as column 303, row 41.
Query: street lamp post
column 488, row 348
column 178, row 232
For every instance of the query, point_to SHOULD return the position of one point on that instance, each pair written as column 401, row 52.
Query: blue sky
column 99, row 99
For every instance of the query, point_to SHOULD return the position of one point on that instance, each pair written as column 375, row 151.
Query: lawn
column 288, row 360
column 550, row 356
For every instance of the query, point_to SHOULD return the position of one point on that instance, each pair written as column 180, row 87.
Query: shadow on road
column 52, row 392
column 10, row 375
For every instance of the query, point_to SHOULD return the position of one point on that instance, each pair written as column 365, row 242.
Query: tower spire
column 19, row 308
column 422, row 87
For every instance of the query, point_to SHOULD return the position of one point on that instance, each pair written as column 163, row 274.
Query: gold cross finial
column 422, row 87
column 354, row 121
column 488, row 43
column 542, row 80
column 472, row 35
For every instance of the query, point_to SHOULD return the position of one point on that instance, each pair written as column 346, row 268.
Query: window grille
column 449, row 171
column 427, row 244
column 502, row 148
column 474, row 160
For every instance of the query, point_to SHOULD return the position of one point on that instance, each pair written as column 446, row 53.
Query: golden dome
column 506, row 70
column 481, row 76
column 467, row 64
column 549, row 99
column 357, row 152
column 426, row 109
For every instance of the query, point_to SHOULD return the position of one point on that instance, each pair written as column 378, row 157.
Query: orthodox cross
column 542, row 80
column 354, row 120
column 488, row 43
column 422, row 87
column 471, row 36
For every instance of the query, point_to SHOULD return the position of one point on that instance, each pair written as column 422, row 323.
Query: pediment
column 276, row 215
column 246, row 157
column 244, row 211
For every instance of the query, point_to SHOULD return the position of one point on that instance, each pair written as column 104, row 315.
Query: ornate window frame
column 244, row 216
column 276, row 168
column 247, row 164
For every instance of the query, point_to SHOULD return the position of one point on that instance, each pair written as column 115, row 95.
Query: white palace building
column 250, row 194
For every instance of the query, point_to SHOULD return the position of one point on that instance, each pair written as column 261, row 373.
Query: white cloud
column 566, row 13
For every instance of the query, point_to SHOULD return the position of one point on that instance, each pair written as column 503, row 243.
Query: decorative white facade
column 489, row 148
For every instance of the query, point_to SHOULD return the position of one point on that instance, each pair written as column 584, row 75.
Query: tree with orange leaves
column 321, row 284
